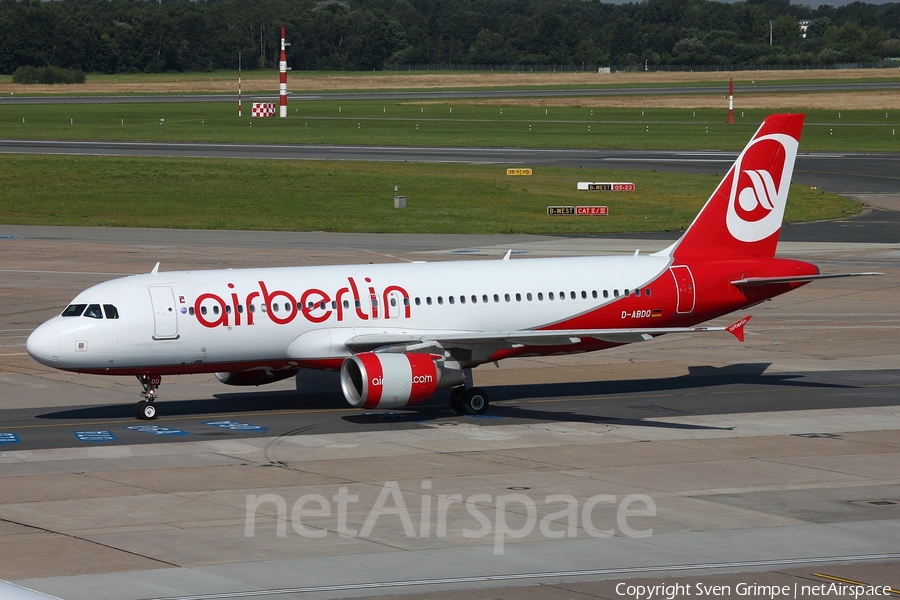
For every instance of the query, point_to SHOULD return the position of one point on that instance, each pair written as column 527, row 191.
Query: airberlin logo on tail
column 759, row 187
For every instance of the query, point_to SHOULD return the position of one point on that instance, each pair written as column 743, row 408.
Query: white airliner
column 400, row 332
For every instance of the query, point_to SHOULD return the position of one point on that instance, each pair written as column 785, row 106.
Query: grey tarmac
column 766, row 462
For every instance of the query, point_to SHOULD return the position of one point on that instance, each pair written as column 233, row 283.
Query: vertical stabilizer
column 743, row 216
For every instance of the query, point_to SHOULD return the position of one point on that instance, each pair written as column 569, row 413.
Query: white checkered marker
column 263, row 109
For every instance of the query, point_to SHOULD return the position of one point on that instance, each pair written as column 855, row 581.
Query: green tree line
column 120, row 36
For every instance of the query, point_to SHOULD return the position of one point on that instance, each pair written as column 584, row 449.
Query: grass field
column 429, row 124
column 338, row 196
column 351, row 197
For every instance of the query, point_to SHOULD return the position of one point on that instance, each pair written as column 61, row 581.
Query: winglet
column 737, row 329
column 508, row 253
column 155, row 269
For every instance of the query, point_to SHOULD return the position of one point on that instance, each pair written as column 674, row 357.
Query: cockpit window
column 111, row 311
column 93, row 311
column 74, row 310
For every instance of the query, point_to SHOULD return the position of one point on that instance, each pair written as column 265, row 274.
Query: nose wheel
column 145, row 410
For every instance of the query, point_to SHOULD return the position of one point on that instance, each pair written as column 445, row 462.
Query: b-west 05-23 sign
column 605, row 186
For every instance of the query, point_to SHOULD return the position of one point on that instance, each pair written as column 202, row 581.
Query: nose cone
column 43, row 345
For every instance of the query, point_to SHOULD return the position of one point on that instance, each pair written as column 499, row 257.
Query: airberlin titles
column 282, row 307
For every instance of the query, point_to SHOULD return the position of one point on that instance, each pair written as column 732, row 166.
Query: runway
column 761, row 88
column 832, row 171
column 769, row 461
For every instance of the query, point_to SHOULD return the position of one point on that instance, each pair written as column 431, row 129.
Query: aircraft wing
column 758, row 281
column 428, row 341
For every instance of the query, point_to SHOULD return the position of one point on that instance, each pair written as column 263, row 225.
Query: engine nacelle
column 385, row 380
column 255, row 376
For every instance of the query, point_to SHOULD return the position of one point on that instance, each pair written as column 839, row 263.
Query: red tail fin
column 743, row 216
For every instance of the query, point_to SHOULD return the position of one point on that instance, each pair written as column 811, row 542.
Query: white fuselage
column 224, row 319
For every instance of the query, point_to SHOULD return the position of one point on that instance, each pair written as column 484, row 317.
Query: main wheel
column 475, row 401
column 145, row 411
column 456, row 402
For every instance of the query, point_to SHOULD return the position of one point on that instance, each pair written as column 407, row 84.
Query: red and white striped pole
column 240, row 113
column 731, row 101
column 282, row 87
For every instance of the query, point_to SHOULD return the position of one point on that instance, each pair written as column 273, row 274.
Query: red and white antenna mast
column 282, row 70
column 731, row 101
column 240, row 114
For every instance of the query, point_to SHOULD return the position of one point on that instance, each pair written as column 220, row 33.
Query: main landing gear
column 145, row 410
column 468, row 401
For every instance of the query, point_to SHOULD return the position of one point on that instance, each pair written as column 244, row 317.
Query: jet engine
column 255, row 376
column 385, row 380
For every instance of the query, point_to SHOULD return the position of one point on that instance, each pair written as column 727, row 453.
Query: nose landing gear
column 145, row 410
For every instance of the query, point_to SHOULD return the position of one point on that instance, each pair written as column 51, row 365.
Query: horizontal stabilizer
column 758, row 281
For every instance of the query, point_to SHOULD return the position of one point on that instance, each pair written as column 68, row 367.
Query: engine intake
column 383, row 380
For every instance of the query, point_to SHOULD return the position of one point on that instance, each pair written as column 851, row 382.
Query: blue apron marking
column 9, row 438
column 95, row 436
column 157, row 430
column 236, row 426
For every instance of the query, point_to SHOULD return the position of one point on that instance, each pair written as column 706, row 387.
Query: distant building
column 804, row 25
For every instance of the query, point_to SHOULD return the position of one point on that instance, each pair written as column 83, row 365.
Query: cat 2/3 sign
column 605, row 186
column 592, row 211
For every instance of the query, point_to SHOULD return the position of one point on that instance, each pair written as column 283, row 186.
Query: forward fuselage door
column 165, row 319
column 684, row 284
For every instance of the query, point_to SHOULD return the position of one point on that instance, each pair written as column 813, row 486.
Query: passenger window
column 594, row 294
column 562, row 295
column 572, row 295
column 227, row 310
column 583, row 295
column 202, row 310
column 74, row 310
column 346, row 304
column 252, row 308
column 451, row 299
column 616, row 293
column 627, row 293
column 474, row 299
column 528, row 296
column 550, row 296
column 637, row 292
column 374, row 302
column 496, row 298
column 405, row 301
column 647, row 292
column 518, row 297
column 606, row 293
column 418, row 301
column 440, row 300
column 113, row 313
column 241, row 308
column 540, row 295
column 93, row 312
column 462, row 299
column 484, row 298
column 274, row 308
column 506, row 297
column 393, row 302
column 215, row 309
column 428, row 300
column 191, row 310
